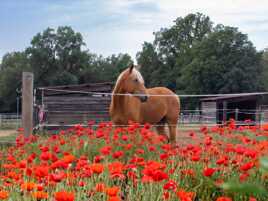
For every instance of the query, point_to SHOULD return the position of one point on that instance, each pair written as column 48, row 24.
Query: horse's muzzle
column 143, row 98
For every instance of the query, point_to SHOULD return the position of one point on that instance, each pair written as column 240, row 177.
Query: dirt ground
column 182, row 136
column 4, row 133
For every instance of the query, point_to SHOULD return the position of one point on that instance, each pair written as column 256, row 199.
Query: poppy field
column 135, row 164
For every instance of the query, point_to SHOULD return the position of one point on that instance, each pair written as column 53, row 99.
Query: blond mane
column 134, row 73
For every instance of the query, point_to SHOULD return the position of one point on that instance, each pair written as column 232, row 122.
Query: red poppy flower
column 112, row 191
column 45, row 156
column 100, row 187
column 185, row 196
column 64, row 196
column 118, row 154
column 195, row 157
column 166, row 195
column 208, row 172
column 39, row 195
column 159, row 175
column 58, row 177
column 41, row 171
column 247, row 166
column 3, row 195
column 116, row 168
column 28, row 186
column 114, row 198
column 106, row 150
column 97, row 168
column 252, row 199
column 224, row 199
column 69, row 158
column 170, row 185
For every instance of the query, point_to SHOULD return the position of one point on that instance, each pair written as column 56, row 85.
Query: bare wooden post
column 224, row 112
column 27, row 103
column 236, row 114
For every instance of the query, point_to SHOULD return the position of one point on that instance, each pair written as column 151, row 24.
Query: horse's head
column 132, row 82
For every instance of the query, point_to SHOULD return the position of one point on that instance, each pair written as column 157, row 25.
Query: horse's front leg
column 161, row 131
column 119, row 124
column 172, row 133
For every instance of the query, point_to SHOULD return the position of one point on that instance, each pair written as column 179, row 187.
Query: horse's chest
column 124, row 117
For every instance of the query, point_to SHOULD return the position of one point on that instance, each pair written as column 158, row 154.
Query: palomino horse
column 138, row 106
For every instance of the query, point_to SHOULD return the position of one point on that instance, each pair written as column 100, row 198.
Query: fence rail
column 12, row 120
column 9, row 120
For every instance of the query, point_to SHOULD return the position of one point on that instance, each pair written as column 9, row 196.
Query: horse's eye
column 136, row 80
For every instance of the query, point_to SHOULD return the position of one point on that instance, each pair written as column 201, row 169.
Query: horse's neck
column 117, row 101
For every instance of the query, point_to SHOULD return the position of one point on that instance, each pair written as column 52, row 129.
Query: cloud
column 117, row 41
column 113, row 26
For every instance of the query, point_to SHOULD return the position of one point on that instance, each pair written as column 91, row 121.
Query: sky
column 121, row 26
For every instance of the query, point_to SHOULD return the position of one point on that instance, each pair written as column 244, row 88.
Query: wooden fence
column 68, row 105
column 10, row 120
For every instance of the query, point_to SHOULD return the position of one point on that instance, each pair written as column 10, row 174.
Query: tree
column 56, row 55
column 173, row 48
column 225, row 62
column 13, row 64
column 102, row 69
column 265, row 68
column 68, row 47
column 149, row 64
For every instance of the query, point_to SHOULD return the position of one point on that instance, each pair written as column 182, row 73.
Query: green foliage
column 63, row 78
column 172, row 49
column 13, row 64
column 264, row 164
column 244, row 188
column 265, row 68
column 54, row 53
column 56, row 57
column 192, row 56
column 150, row 64
column 102, row 69
column 224, row 62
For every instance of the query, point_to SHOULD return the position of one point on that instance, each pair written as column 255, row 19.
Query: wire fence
column 159, row 95
column 10, row 121
column 187, row 117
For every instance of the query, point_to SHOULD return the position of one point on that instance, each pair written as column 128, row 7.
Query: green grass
column 11, row 137
column 9, row 125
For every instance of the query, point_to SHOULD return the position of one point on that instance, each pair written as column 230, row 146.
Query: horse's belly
column 124, row 118
column 153, row 113
column 152, row 119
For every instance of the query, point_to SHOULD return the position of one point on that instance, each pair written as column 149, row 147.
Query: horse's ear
column 131, row 67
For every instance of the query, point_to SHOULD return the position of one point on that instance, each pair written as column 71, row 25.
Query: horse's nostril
column 144, row 98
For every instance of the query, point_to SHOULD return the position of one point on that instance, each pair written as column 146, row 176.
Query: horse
column 132, row 101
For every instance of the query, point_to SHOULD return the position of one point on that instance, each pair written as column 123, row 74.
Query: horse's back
column 166, row 105
column 164, row 94
column 160, row 91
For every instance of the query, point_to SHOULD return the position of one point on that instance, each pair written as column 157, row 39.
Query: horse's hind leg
column 161, row 131
column 172, row 125
column 160, row 127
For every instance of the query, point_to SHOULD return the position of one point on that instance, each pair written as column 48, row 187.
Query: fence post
column 181, row 117
column 236, row 114
column 27, row 103
column 224, row 116
column 261, row 118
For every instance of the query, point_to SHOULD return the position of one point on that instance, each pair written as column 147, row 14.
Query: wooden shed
column 241, row 107
column 72, row 104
